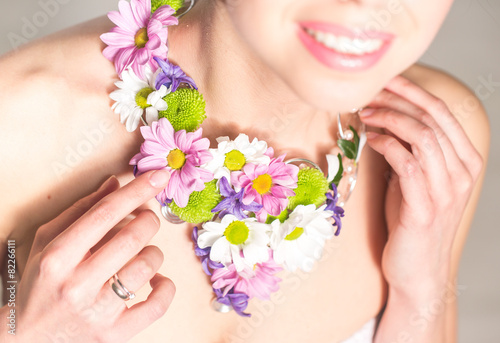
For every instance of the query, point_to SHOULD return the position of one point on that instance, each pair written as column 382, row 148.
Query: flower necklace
column 259, row 214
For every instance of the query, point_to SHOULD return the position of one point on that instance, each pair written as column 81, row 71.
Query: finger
column 141, row 315
column 422, row 139
column 410, row 176
column 111, row 257
column 46, row 233
column 133, row 276
column 89, row 229
column 387, row 99
column 439, row 111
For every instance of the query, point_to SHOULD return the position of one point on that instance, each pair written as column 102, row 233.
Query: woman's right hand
column 64, row 294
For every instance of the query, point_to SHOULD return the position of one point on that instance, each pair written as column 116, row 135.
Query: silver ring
column 120, row 289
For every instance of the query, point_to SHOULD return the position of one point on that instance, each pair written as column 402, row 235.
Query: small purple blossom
column 171, row 75
column 206, row 263
column 331, row 205
column 233, row 202
column 238, row 301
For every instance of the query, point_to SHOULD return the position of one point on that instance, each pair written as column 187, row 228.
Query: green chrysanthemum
column 312, row 186
column 200, row 205
column 282, row 217
column 186, row 109
column 175, row 4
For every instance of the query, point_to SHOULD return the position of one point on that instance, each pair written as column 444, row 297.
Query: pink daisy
column 255, row 281
column 268, row 185
column 139, row 36
column 181, row 153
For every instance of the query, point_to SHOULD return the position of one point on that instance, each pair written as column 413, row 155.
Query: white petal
column 220, row 251
column 333, row 166
column 239, row 262
column 362, row 142
column 134, row 119
column 255, row 253
column 151, row 115
column 207, row 239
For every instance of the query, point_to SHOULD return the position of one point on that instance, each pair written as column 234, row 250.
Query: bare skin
column 348, row 286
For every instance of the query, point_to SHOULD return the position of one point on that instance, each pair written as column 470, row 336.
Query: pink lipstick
column 341, row 48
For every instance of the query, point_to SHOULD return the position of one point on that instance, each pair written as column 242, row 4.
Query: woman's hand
column 64, row 294
column 435, row 167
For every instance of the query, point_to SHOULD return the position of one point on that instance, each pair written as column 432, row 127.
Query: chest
column 343, row 291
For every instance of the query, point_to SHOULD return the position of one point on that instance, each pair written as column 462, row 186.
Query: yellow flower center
column 262, row 183
column 237, row 232
column 296, row 233
column 141, row 38
column 176, row 159
column 235, row 160
column 141, row 98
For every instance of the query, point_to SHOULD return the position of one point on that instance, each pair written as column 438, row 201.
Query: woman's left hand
column 435, row 167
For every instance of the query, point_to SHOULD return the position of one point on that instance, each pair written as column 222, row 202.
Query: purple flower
column 171, row 75
column 238, row 301
column 233, row 202
column 206, row 263
column 331, row 205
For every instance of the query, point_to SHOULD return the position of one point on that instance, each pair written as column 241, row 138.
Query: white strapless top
column 365, row 334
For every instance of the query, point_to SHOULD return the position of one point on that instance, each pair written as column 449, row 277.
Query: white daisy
column 135, row 95
column 231, row 236
column 299, row 241
column 233, row 155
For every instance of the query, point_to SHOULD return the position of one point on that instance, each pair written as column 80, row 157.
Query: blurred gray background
column 468, row 47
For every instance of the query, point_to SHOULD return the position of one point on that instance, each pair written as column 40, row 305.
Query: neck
column 242, row 94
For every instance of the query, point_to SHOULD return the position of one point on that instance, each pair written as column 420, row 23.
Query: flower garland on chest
column 257, row 213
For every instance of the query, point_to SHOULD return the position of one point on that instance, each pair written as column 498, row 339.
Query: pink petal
column 180, row 140
column 249, row 170
column 205, row 175
column 250, row 195
column 173, row 183
column 155, row 148
column 134, row 160
column 201, row 144
column 110, row 52
column 123, row 59
column 166, row 133
column 164, row 15
column 142, row 56
column 269, row 152
column 261, row 169
column 271, row 204
column 129, row 26
column 151, row 163
column 154, row 27
column 118, row 38
column 153, row 43
column 126, row 12
column 140, row 12
column 162, row 197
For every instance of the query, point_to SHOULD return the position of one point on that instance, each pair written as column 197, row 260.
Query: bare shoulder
column 54, row 96
column 461, row 100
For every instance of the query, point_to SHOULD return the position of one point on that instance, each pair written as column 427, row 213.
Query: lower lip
column 341, row 61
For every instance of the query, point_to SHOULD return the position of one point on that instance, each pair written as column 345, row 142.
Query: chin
column 339, row 96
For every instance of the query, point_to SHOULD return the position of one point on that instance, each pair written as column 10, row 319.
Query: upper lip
column 340, row 30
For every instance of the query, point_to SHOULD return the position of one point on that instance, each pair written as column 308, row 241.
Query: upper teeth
column 345, row 44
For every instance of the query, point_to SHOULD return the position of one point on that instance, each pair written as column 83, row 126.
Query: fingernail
column 371, row 135
column 366, row 112
column 107, row 183
column 159, row 178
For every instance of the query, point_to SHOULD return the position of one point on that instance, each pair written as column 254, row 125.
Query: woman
column 264, row 69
